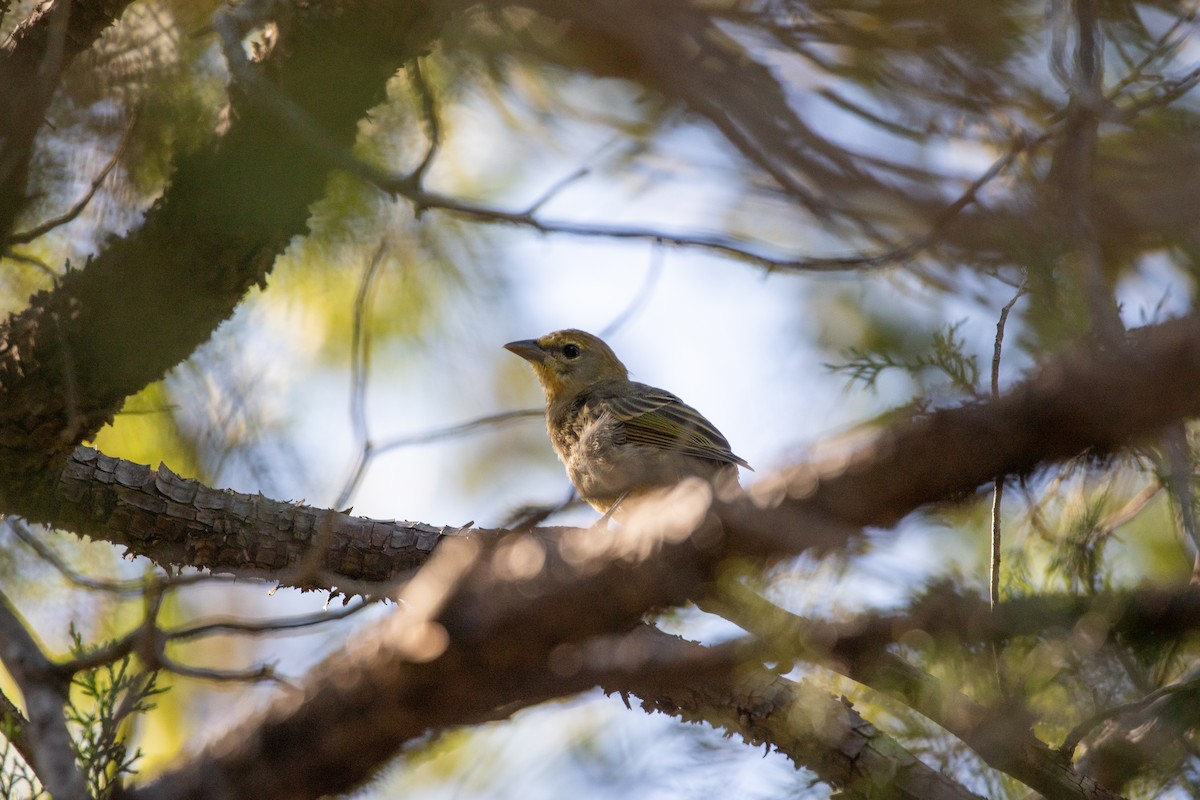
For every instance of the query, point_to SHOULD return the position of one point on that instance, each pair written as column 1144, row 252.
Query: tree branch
column 69, row 360
column 807, row 724
column 45, row 693
column 1000, row 735
column 32, row 61
column 1078, row 402
column 1143, row 731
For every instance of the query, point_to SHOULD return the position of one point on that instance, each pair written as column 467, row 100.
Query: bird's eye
column 571, row 350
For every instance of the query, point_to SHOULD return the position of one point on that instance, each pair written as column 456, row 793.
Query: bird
column 620, row 439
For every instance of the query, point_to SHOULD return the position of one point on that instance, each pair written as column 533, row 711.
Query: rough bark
column 808, row 725
column 181, row 522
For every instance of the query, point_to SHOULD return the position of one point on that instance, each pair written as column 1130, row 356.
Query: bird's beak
column 527, row 349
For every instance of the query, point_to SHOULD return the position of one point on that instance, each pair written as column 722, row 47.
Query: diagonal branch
column 45, row 693
column 32, row 61
column 808, row 725
column 25, row 237
column 1000, row 735
column 1142, row 731
column 1076, row 403
column 485, row 630
column 69, row 360
column 487, row 615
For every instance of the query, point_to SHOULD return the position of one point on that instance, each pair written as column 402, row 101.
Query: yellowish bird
column 619, row 438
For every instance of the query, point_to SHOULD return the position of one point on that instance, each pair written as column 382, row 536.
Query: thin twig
column 644, row 292
column 34, row 261
column 998, row 484
column 459, row 429
column 262, row 672
column 146, row 641
column 264, row 627
column 556, row 188
column 234, row 21
column 33, row 542
column 429, row 113
column 25, row 237
column 360, row 357
column 128, row 588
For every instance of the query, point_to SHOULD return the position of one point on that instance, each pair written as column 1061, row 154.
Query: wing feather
column 658, row 418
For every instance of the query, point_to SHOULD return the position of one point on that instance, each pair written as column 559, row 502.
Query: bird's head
column 568, row 362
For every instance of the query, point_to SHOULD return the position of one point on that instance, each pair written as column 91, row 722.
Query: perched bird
column 618, row 438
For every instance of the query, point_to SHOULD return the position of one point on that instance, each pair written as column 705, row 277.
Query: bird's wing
column 660, row 419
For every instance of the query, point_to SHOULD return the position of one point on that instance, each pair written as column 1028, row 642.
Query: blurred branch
column 24, row 237
column 1170, row 40
column 130, row 588
column 263, row 627
column 734, row 248
column 807, row 724
column 148, row 641
column 1190, row 683
column 1140, row 732
column 32, row 61
column 360, row 358
column 1002, row 736
column 479, row 628
column 201, row 246
column 1136, row 617
column 737, row 124
column 45, row 694
column 640, row 298
column 429, row 113
column 43, row 551
column 1074, row 162
column 34, row 261
column 460, row 429
column 1072, row 404
column 13, row 726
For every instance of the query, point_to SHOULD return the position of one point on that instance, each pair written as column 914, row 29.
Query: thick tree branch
column 181, row 522
column 807, row 724
column 1078, row 403
column 1083, row 401
column 1002, row 735
column 69, row 360
column 484, row 631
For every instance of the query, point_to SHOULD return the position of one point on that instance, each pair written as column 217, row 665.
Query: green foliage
column 16, row 778
column 945, row 355
column 100, row 710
